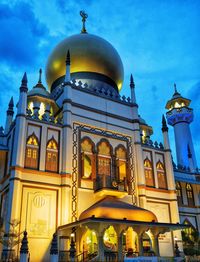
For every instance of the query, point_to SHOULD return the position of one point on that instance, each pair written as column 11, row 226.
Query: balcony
column 105, row 185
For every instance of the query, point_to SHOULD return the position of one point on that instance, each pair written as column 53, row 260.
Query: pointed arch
column 148, row 170
column 179, row 193
column 161, row 175
column 104, row 150
column 88, row 159
column 121, row 162
column 52, row 155
column 190, row 231
column 32, row 152
column 190, row 194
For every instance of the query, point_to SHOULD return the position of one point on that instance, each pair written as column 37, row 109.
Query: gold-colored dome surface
column 112, row 208
column 89, row 53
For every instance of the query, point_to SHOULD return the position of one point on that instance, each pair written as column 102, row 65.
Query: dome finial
column 84, row 17
column 40, row 76
column 132, row 84
column 175, row 89
column 68, row 58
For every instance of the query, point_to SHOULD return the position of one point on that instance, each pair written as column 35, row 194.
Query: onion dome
column 92, row 58
column 112, row 208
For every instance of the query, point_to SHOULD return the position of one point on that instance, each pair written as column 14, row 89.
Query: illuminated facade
column 79, row 158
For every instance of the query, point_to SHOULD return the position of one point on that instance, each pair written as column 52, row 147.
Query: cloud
column 20, row 34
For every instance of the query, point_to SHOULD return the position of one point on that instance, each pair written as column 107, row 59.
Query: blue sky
column 158, row 41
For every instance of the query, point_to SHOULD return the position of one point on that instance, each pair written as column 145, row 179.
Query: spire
column 24, row 246
column 11, row 103
column 84, row 17
column 40, row 76
column 176, row 93
column 189, row 151
column 24, row 79
column 132, row 84
column 68, row 58
column 164, row 124
column 39, row 84
column 54, row 245
column 24, row 87
column 67, row 75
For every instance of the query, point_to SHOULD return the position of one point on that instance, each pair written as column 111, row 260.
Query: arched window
column 189, row 233
column 148, row 170
column 104, row 158
column 52, row 155
column 32, row 152
column 87, row 159
column 121, row 158
column 179, row 193
column 162, row 183
column 190, row 195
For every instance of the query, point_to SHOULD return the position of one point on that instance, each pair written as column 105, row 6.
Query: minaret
column 165, row 133
column 139, row 163
column 168, row 158
column 66, row 140
column 180, row 115
column 20, row 130
column 9, row 116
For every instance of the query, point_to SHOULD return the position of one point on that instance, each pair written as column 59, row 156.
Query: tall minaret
column 180, row 116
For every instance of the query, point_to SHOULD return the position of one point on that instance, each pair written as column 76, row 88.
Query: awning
column 159, row 227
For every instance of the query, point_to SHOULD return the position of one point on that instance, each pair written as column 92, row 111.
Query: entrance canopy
column 91, row 222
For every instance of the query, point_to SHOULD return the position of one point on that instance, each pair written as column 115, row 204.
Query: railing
column 106, row 181
column 64, row 256
column 110, row 256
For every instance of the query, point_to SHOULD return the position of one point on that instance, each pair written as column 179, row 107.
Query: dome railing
column 107, row 93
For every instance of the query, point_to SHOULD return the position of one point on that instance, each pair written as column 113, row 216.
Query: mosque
column 79, row 172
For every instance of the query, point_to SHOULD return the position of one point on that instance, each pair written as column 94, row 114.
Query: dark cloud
column 20, row 35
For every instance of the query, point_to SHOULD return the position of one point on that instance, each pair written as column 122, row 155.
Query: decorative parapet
column 100, row 91
column 152, row 144
column 177, row 115
column 45, row 118
column 185, row 169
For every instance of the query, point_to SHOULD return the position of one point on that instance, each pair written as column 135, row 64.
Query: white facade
column 42, row 199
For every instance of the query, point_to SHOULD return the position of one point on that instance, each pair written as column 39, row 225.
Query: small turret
column 132, row 86
column 165, row 133
column 67, row 75
column 180, row 115
column 22, row 105
column 9, row 116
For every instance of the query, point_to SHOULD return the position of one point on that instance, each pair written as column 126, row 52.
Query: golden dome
column 112, row 208
column 89, row 54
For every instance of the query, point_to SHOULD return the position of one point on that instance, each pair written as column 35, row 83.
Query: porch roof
column 162, row 227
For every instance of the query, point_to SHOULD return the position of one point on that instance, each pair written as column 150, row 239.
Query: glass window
column 32, row 152
column 148, row 170
column 121, row 162
column 52, row 155
column 162, row 183
column 87, row 159
column 179, row 193
column 190, row 195
column 104, row 159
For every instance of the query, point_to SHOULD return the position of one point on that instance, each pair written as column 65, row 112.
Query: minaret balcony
column 106, row 185
column 182, row 114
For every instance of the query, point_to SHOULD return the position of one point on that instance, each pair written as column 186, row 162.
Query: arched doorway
column 110, row 239
column 147, row 245
column 89, row 242
column 130, row 242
